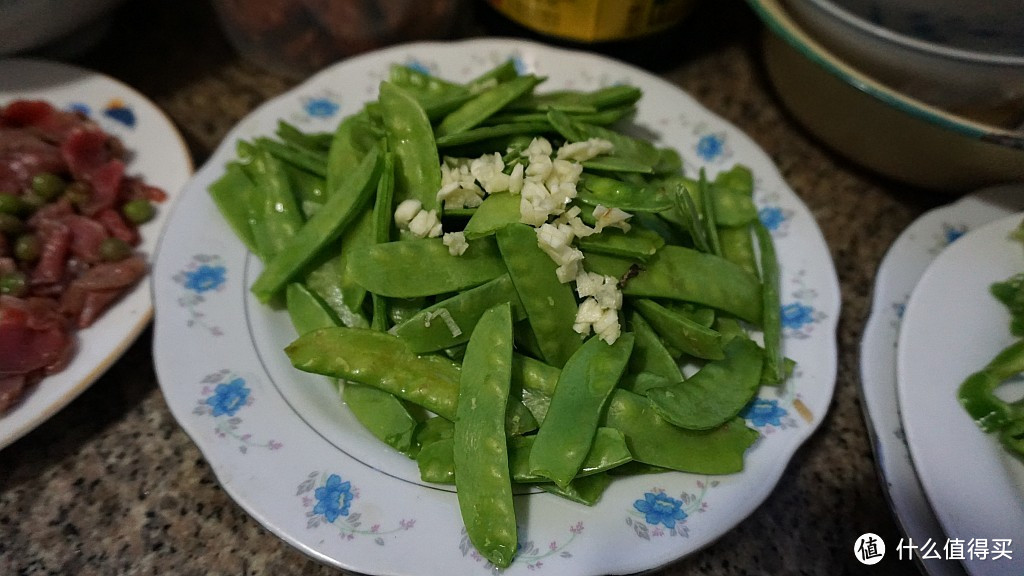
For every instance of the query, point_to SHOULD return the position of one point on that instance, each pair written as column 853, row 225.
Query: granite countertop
column 112, row 485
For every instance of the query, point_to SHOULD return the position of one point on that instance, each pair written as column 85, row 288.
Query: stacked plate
column 956, row 493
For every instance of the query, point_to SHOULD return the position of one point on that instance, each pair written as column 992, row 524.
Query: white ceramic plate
column 286, row 448
column 951, row 328
column 159, row 155
column 902, row 267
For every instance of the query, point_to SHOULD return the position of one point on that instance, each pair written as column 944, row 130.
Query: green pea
column 10, row 204
column 48, row 185
column 27, row 248
column 9, row 223
column 13, row 284
column 138, row 211
column 113, row 249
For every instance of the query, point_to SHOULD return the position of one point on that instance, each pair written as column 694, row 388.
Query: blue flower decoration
column 710, row 146
column 953, row 233
column 80, row 107
column 763, row 412
column 205, row 278
column 796, row 315
column 772, row 217
column 228, row 398
column 659, row 508
column 122, row 114
column 417, row 66
column 333, row 498
column 321, row 107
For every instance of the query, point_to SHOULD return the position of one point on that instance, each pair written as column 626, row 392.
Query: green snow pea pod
column 737, row 246
column 231, row 194
column 383, row 414
column 424, row 267
column 411, row 140
column 305, row 310
column 679, row 273
column 436, row 461
column 354, row 137
column 641, row 382
column 771, row 323
column 382, row 214
column 434, row 429
column 496, row 211
column 536, row 382
column 482, row 480
column 617, row 164
column 565, row 125
column 653, row 440
column 638, row 244
column 451, row 321
column 586, row 490
column 636, row 149
column 384, row 361
column 485, row 104
column 681, row 332
column 310, row 189
column 274, row 214
column 607, row 450
column 734, row 197
column 328, row 277
column 583, row 389
column 708, row 216
column 650, row 354
column 381, row 360
column 292, row 135
column 438, row 97
column 482, row 133
column 716, row 393
column 311, row 161
column 976, row 393
column 325, row 226
column 550, row 305
column 614, row 193
column 501, row 73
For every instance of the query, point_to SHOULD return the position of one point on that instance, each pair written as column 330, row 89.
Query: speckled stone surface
column 112, row 485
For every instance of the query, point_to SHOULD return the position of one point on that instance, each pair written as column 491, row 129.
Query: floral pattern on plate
column 362, row 490
column 224, row 394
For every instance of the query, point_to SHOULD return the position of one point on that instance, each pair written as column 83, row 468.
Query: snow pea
column 653, row 440
column 411, row 140
column 382, row 214
column 607, row 452
column 383, row 414
column 274, row 215
column 496, row 211
column 613, row 193
column 381, row 360
column 482, row 480
column 716, row 393
column 680, row 332
column 649, row 354
column 771, row 323
column 305, row 310
column 639, row 243
column 586, row 490
column 313, row 141
column 583, row 388
column 680, row 273
column 451, row 321
column 424, row 267
column 616, row 164
column 329, row 279
column 641, row 382
column 384, row 361
column 308, row 160
column 309, row 189
column 708, row 215
column 976, row 393
column 470, row 136
column 231, row 193
column 486, row 103
column 438, row 97
column 550, row 305
column 738, row 247
column 326, row 225
column 354, row 137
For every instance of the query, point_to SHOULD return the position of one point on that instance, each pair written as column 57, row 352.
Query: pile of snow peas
column 470, row 363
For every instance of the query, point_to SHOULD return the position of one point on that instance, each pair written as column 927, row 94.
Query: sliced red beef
column 34, row 337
